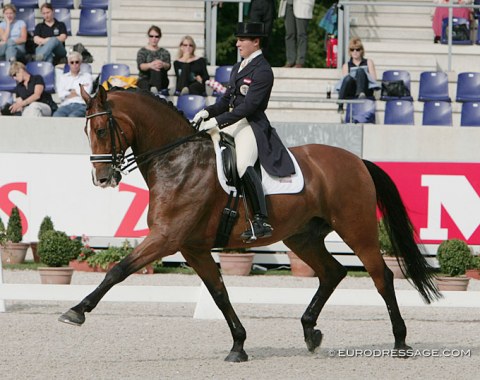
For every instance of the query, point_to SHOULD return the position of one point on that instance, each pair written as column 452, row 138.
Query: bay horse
column 341, row 194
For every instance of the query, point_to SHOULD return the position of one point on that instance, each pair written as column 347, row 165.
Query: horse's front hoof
column 72, row 318
column 313, row 339
column 237, row 357
column 403, row 351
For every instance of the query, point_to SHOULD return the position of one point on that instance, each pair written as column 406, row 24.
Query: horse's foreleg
column 208, row 271
column 329, row 271
column 142, row 255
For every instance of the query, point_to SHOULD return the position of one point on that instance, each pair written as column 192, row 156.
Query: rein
column 125, row 163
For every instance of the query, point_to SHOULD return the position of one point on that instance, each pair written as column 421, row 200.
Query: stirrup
column 259, row 228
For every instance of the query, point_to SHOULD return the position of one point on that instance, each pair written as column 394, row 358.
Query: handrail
column 344, row 21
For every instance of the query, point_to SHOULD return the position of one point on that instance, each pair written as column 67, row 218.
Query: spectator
column 13, row 35
column 68, row 88
column 441, row 13
column 190, row 70
column 153, row 63
column 31, row 98
column 263, row 11
column 297, row 14
column 359, row 75
column 50, row 36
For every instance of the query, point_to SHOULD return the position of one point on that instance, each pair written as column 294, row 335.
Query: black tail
column 401, row 233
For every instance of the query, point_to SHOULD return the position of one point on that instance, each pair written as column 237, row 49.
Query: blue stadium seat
column 433, row 86
column 84, row 68
column 97, row 4
column 437, row 113
column 399, row 112
column 396, row 75
column 458, row 37
column 476, row 12
column 93, row 22
column 46, row 70
column 63, row 15
column 110, row 69
column 7, row 83
column 470, row 116
column 67, row 4
column 27, row 15
column 468, row 87
column 5, row 97
column 363, row 112
column 222, row 75
column 190, row 104
column 25, row 3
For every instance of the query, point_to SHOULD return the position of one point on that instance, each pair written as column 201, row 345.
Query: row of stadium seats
column 70, row 4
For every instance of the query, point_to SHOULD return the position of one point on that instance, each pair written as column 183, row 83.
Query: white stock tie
column 243, row 64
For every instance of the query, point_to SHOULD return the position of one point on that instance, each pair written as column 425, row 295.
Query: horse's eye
column 101, row 132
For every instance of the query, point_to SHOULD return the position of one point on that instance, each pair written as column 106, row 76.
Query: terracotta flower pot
column 60, row 275
column 236, row 264
column 14, row 253
column 81, row 266
column 473, row 273
column 299, row 267
column 34, row 246
column 459, row 283
column 393, row 265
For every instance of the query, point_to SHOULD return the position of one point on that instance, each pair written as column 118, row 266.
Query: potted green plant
column 13, row 249
column 474, row 270
column 236, row 261
column 56, row 249
column 80, row 263
column 454, row 257
column 386, row 249
column 46, row 225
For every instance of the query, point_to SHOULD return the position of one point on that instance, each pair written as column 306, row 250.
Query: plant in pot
column 474, row 270
column 56, row 249
column 13, row 249
column 80, row 263
column 454, row 257
column 236, row 261
column 46, row 225
column 386, row 249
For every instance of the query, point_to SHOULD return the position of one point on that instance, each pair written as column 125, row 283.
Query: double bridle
column 124, row 164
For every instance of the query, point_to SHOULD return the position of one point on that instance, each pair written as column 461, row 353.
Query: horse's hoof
column 313, row 340
column 237, row 357
column 72, row 318
column 403, row 351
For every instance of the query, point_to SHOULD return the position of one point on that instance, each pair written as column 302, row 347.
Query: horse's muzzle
column 106, row 176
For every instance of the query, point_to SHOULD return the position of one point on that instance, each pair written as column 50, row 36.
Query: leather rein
column 124, row 163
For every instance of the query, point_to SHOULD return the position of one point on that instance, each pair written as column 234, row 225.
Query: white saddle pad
column 271, row 184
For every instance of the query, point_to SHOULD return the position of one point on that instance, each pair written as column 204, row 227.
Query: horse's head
column 108, row 141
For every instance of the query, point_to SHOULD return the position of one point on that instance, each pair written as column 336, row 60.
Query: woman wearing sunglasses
column 190, row 70
column 153, row 64
column 359, row 75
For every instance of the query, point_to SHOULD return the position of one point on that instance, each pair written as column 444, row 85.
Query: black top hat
column 250, row 29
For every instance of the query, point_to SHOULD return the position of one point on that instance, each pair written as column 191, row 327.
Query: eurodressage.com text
column 377, row 353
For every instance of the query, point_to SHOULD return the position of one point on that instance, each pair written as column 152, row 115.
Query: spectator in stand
column 359, row 75
column 68, row 88
column 297, row 14
column 50, row 36
column 190, row 70
column 263, row 11
column 153, row 64
column 13, row 35
column 440, row 13
column 31, row 98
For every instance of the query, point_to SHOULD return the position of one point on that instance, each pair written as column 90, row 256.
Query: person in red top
column 441, row 13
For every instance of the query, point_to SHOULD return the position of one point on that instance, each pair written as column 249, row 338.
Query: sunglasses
column 74, row 62
column 153, row 36
column 14, row 75
column 187, row 45
column 356, row 49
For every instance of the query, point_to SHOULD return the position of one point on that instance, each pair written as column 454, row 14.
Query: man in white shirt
column 68, row 88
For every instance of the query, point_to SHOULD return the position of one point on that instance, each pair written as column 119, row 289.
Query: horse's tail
column 401, row 233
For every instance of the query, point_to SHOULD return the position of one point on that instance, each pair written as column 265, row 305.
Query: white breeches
column 37, row 109
column 245, row 143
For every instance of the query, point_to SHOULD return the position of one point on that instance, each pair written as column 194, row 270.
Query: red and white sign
column 442, row 198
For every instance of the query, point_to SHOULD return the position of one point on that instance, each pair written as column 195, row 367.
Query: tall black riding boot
column 254, row 192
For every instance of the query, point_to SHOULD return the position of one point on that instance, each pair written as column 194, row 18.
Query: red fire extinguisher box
column 332, row 50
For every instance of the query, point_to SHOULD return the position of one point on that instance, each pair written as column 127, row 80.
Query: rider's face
column 247, row 46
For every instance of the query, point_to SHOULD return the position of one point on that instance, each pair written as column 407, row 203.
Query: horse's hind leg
column 328, row 270
column 208, row 271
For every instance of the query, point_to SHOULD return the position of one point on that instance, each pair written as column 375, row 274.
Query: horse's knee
column 115, row 275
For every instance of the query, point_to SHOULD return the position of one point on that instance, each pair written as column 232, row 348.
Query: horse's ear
column 102, row 95
column 85, row 95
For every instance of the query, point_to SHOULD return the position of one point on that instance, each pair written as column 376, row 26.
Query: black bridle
column 124, row 164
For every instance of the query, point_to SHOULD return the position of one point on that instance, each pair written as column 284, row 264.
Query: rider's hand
column 209, row 124
column 203, row 114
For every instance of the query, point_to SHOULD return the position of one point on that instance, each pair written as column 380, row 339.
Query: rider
column 241, row 113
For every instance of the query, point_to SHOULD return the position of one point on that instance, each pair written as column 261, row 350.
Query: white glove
column 203, row 114
column 209, row 124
